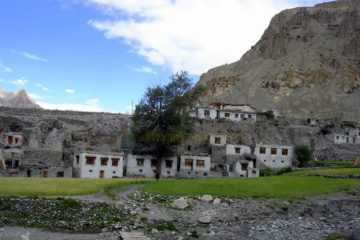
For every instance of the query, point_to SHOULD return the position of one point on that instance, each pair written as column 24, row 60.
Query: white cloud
column 5, row 69
column 72, row 107
column 42, row 87
column 35, row 96
column 186, row 34
column 34, row 57
column 70, row 91
column 91, row 105
column 20, row 82
column 145, row 70
column 93, row 102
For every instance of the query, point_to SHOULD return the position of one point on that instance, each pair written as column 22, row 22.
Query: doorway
column 101, row 174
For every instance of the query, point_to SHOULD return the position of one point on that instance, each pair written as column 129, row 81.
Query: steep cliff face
column 306, row 64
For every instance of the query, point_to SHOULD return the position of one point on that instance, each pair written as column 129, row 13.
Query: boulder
column 217, row 201
column 207, row 198
column 205, row 220
column 180, row 203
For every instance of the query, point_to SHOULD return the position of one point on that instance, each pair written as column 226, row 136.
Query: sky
column 101, row 55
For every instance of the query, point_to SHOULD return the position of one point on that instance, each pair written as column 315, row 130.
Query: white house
column 338, row 138
column 195, row 165
column 96, row 165
column 237, row 107
column 206, row 113
column 274, row 156
column 237, row 150
column 217, row 140
column 245, row 169
column 147, row 166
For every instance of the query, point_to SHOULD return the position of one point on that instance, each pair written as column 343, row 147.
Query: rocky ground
column 204, row 217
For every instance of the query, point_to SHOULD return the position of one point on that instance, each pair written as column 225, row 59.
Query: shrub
column 303, row 154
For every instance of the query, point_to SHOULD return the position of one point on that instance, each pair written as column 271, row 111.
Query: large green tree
column 161, row 120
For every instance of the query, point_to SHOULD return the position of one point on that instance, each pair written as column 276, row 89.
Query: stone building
column 98, row 165
column 274, row 156
column 206, row 113
column 339, row 138
column 194, row 166
column 148, row 166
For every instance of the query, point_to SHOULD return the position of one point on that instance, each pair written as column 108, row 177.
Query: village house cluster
column 218, row 157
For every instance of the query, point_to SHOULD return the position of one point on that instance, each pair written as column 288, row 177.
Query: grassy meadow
column 291, row 184
column 268, row 187
column 331, row 171
column 61, row 186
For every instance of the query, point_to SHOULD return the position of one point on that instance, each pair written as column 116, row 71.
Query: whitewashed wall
column 231, row 149
column 93, row 171
column 277, row 160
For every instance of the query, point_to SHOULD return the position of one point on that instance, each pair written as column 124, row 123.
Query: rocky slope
column 306, row 64
column 16, row 100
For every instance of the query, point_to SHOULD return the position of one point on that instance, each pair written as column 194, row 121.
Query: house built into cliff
column 274, row 156
column 98, row 165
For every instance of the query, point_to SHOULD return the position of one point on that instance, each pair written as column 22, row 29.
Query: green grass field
column 276, row 186
column 333, row 171
column 333, row 163
column 61, row 186
column 287, row 185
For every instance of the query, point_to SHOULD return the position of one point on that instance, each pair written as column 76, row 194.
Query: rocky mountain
column 16, row 100
column 306, row 64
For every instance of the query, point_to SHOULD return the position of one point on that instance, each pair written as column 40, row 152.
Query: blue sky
column 101, row 55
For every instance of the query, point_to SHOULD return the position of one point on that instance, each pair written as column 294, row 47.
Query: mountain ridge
column 306, row 64
column 16, row 100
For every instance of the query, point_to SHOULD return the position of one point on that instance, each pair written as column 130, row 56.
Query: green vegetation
column 61, row 186
column 273, row 172
column 161, row 119
column 332, row 171
column 276, row 186
column 303, row 154
column 333, row 163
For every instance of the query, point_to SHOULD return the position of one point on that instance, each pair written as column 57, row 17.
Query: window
column 244, row 166
column 236, row 115
column 115, row 162
column 337, row 137
column 196, row 172
column 273, row 151
column 140, row 170
column 10, row 140
column 16, row 140
column 188, row 162
column 104, row 161
column 206, row 113
column 284, row 151
column 60, row 174
column 45, row 174
column 169, row 163
column 262, row 150
column 90, row 171
column 264, row 160
column 114, row 172
column 154, row 162
column 200, row 163
column 77, row 159
column 237, row 150
column 168, row 172
column 140, row 161
column 189, row 147
column 90, row 160
column 227, row 115
column 249, row 116
column 205, row 174
column 282, row 161
column 217, row 140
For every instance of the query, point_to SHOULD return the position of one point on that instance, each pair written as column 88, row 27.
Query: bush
column 272, row 172
column 303, row 154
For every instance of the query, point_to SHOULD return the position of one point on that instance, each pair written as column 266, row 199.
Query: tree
column 161, row 119
column 303, row 154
